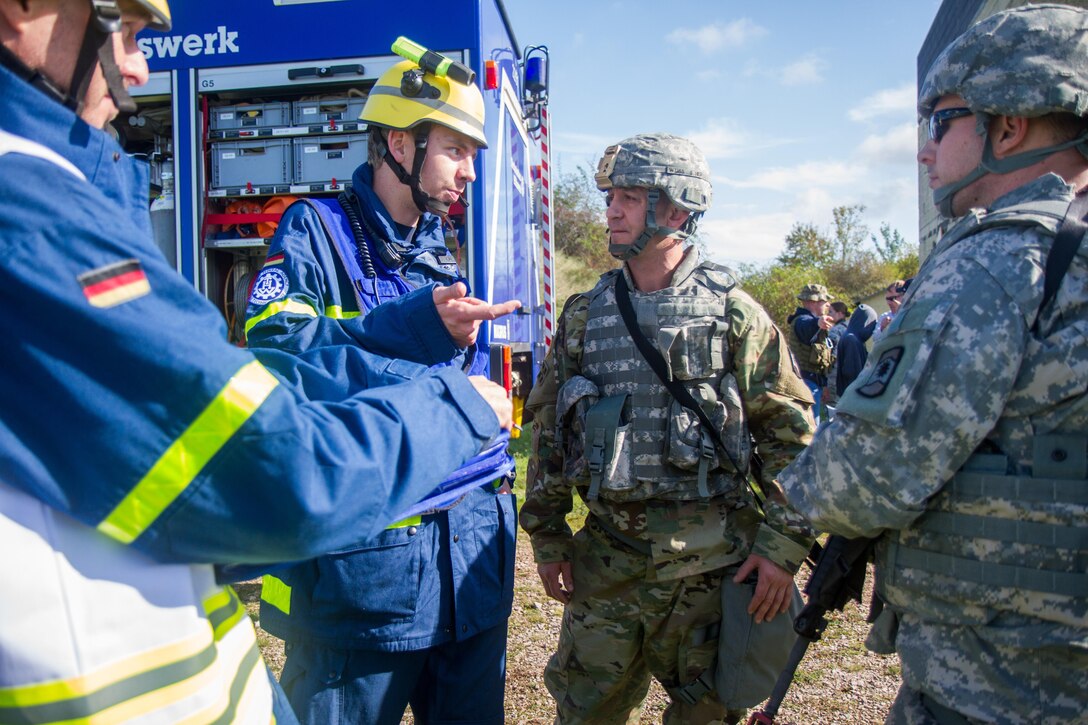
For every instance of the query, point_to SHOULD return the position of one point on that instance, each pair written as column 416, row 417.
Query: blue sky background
column 800, row 106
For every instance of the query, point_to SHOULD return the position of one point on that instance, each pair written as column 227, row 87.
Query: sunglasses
column 891, row 299
column 938, row 122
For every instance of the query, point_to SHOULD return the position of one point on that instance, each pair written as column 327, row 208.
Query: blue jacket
column 431, row 578
column 851, row 353
column 123, row 404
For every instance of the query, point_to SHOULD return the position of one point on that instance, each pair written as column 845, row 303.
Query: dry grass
column 839, row 682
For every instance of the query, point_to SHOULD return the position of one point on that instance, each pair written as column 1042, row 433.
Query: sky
column 800, row 106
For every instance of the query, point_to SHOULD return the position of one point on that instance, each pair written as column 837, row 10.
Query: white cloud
column 899, row 145
column 807, row 70
column 576, row 144
column 899, row 100
column 720, row 138
column 805, row 175
column 803, row 71
column 746, row 239
column 710, row 38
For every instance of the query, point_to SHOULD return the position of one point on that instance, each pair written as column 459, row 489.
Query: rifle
column 837, row 577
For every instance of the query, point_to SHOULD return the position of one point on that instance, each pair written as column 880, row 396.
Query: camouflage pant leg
column 620, row 627
column 976, row 671
column 907, row 709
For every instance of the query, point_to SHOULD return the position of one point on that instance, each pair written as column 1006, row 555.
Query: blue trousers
column 817, row 394
column 454, row 682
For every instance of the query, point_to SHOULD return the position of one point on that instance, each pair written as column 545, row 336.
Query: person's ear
column 1007, row 135
column 676, row 217
column 398, row 143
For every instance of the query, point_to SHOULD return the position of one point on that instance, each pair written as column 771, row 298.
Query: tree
column 581, row 234
column 776, row 286
column 842, row 259
column 806, row 246
column 891, row 246
column 849, row 231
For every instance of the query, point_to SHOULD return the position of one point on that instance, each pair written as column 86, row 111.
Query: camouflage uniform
column 635, row 613
column 962, row 447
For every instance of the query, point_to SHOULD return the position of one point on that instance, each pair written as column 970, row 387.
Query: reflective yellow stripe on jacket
column 299, row 308
column 187, row 456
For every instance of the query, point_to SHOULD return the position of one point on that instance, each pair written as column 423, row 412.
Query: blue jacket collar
column 29, row 113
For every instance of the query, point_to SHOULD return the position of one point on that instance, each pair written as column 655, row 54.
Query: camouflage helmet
column 1029, row 61
column 661, row 163
column 658, row 161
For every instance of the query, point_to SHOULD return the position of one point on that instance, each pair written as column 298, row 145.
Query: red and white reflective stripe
column 547, row 226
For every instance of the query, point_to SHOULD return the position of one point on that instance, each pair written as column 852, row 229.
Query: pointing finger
column 455, row 291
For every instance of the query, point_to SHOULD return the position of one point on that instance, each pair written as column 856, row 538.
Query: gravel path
column 838, row 682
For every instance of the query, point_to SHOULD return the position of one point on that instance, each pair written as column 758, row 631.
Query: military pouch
column 576, row 396
column 607, row 444
column 750, row 655
column 689, row 445
column 693, row 352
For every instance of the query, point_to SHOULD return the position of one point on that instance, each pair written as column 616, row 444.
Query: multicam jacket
column 686, row 534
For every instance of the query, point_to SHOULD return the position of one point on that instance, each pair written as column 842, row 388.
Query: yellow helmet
column 160, row 14
column 405, row 97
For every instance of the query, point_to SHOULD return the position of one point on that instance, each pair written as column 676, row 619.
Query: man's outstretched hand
column 462, row 315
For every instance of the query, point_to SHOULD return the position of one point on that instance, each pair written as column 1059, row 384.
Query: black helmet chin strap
column 97, row 48
column 423, row 201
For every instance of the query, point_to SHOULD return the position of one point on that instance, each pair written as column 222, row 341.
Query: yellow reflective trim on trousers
column 187, row 456
column 337, row 313
column 276, row 593
column 274, row 308
column 81, row 686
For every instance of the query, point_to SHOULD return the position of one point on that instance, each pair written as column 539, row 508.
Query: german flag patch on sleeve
column 115, row 283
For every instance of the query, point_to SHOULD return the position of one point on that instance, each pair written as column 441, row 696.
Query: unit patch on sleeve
column 882, row 374
column 115, row 283
column 270, row 285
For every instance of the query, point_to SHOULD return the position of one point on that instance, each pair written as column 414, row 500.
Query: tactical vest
column 639, row 442
column 815, row 357
column 996, row 539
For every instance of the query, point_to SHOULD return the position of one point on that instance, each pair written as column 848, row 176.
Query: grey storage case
column 319, row 159
column 260, row 162
column 251, row 115
column 342, row 109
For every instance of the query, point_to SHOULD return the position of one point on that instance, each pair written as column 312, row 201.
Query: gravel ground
column 839, row 682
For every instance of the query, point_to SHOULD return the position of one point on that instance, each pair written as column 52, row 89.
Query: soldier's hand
column 825, row 322
column 462, row 315
column 557, row 580
column 773, row 591
column 495, row 396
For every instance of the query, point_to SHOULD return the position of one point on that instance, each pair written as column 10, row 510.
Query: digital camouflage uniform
column 962, row 444
column 632, row 613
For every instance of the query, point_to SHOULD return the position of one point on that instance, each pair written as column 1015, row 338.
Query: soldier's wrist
column 786, row 551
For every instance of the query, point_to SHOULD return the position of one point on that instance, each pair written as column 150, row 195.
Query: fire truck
column 252, row 104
